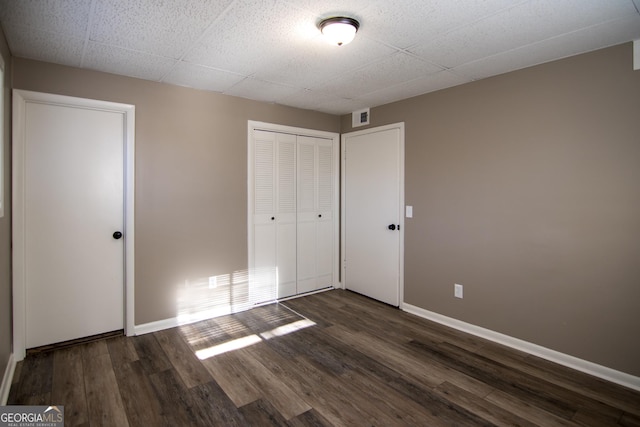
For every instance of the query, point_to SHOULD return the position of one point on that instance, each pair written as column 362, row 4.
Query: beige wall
column 526, row 190
column 5, row 221
column 191, row 175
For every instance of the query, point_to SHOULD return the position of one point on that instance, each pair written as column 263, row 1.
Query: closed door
column 274, row 216
column 73, row 205
column 373, row 199
column 315, row 248
column 293, row 199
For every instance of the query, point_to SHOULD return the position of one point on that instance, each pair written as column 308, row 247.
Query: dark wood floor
column 334, row 358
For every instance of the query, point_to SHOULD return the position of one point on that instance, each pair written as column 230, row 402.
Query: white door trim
column 253, row 125
column 20, row 100
column 343, row 231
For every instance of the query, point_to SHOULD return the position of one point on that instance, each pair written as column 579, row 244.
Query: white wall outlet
column 457, row 290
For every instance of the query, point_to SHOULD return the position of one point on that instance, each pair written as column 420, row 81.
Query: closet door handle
column 273, row 218
column 392, row 227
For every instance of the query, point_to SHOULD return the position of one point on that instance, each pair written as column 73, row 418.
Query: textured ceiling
column 271, row 50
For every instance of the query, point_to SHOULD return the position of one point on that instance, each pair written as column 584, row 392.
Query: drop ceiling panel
column 519, row 26
column 260, row 90
column 342, row 105
column 328, row 8
column 409, row 89
column 200, row 77
column 390, row 71
column 253, row 35
column 165, row 27
column 309, row 100
column 33, row 43
column 320, row 62
column 558, row 47
column 69, row 17
column 405, row 23
column 272, row 49
column 126, row 62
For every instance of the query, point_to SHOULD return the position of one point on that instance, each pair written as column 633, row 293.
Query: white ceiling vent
column 360, row 118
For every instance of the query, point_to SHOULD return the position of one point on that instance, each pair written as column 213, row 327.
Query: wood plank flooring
column 329, row 359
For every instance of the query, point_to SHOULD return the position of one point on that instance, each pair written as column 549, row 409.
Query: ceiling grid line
column 92, row 10
column 200, row 38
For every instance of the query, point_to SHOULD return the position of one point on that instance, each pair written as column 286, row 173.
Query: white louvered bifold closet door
column 274, row 218
column 293, row 230
column 315, row 216
column 286, row 215
column 263, row 272
column 327, row 215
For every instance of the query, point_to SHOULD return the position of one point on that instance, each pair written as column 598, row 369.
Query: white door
column 263, row 225
column 315, row 213
column 286, row 214
column 274, row 216
column 293, row 201
column 73, row 204
column 373, row 223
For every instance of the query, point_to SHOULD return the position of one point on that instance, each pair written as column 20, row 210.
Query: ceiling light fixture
column 339, row 30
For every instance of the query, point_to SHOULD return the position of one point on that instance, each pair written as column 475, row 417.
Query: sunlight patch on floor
column 287, row 329
column 250, row 340
column 228, row 346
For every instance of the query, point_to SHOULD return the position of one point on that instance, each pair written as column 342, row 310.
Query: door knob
column 117, row 235
column 392, row 227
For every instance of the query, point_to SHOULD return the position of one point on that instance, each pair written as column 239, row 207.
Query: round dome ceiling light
column 339, row 30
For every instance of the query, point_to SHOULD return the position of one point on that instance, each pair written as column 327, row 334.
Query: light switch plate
column 409, row 211
column 457, row 290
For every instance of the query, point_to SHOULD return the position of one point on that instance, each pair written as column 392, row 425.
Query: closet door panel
column 307, row 247
column 286, row 214
column 286, row 259
column 325, row 254
column 306, row 209
column 315, row 215
column 325, row 208
column 264, row 272
column 264, row 227
column 325, row 179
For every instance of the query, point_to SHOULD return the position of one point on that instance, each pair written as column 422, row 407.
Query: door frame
column 343, row 203
column 20, row 100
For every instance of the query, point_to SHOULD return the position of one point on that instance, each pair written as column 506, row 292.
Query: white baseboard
column 147, row 328
column 585, row 366
column 7, row 379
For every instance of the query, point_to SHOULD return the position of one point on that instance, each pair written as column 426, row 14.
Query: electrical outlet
column 457, row 290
